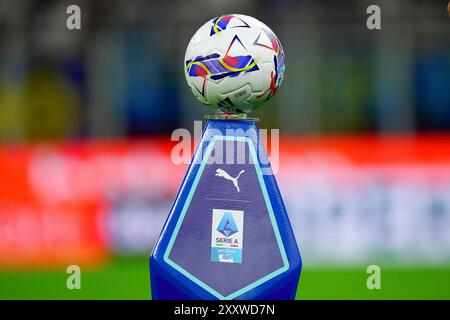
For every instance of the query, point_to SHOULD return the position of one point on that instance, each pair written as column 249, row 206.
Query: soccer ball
column 234, row 63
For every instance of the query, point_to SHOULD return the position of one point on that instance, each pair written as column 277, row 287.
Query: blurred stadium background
column 86, row 117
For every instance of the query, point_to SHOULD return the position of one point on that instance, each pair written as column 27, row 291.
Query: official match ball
column 234, row 63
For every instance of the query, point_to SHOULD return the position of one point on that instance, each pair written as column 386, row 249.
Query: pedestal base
column 228, row 235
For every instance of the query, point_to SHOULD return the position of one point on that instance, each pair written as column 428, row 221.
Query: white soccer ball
column 234, row 63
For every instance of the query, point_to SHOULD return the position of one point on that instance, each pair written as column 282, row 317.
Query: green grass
column 396, row 283
column 129, row 279
column 120, row 279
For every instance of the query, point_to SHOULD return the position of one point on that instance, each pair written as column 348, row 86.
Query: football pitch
column 129, row 279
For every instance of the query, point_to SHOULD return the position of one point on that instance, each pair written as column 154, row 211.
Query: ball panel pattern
column 234, row 63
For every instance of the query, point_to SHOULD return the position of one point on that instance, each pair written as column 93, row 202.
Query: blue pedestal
column 228, row 235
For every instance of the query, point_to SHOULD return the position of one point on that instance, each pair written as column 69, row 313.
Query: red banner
column 56, row 199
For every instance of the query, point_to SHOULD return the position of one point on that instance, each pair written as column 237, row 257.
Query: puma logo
column 222, row 173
